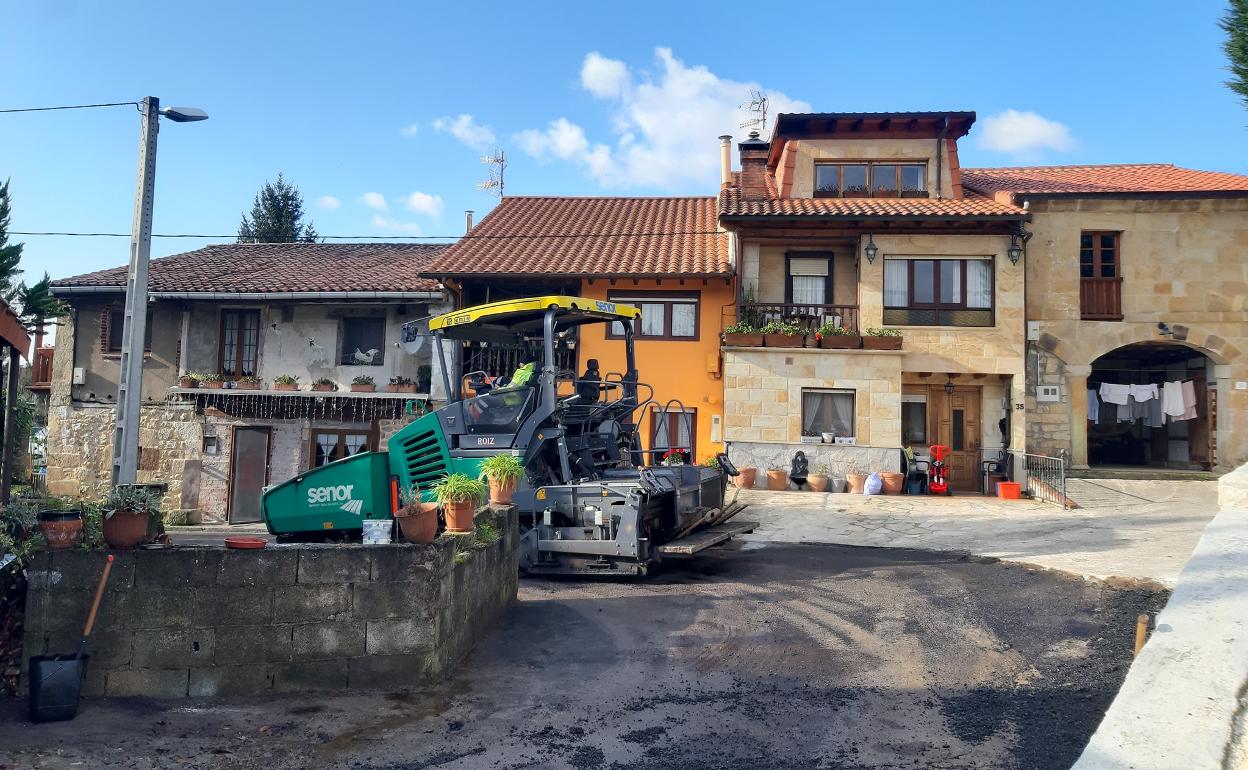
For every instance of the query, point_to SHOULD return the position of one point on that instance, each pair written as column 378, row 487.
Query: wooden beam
column 885, row 124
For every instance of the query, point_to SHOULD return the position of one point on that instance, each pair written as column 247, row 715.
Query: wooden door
column 249, row 472
column 1198, row 430
column 955, row 422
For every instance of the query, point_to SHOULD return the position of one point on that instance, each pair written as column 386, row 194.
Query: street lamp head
column 183, row 114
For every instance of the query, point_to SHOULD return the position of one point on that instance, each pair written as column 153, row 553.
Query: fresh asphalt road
column 751, row 656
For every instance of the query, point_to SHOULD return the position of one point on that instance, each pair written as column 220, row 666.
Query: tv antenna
column 758, row 106
column 498, row 164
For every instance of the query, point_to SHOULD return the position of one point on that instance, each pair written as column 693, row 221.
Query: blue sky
column 364, row 104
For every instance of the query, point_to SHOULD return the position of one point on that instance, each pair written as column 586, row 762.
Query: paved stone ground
column 1138, row 529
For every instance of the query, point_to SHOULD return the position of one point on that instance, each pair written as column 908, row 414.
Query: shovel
column 56, row 680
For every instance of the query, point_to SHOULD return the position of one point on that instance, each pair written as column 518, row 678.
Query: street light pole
column 134, row 324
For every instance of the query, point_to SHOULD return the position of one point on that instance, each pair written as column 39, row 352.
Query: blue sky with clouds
column 380, row 111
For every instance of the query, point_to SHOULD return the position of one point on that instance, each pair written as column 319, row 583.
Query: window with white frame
column 942, row 291
column 810, row 278
column 827, row 411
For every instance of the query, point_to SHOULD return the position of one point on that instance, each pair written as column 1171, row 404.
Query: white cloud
column 374, row 200
column 424, row 203
column 328, row 202
column 411, row 129
column 664, row 125
column 466, row 130
column 390, row 223
column 1023, row 133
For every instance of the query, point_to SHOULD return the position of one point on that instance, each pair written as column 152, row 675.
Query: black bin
column 55, row 684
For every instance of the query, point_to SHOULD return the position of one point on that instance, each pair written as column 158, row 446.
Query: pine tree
column 10, row 253
column 1235, row 25
column 277, row 216
column 34, row 304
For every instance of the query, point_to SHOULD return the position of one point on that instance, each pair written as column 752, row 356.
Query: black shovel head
column 55, row 684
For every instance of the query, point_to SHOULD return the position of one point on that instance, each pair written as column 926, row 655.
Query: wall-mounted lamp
column 1016, row 249
column 871, row 249
column 948, row 384
column 1164, row 329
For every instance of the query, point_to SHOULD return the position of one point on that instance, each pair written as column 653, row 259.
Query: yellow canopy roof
column 526, row 314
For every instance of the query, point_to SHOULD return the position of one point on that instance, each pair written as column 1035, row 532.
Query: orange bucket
column 1009, row 490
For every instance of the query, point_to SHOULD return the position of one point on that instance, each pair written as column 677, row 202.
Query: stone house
column 1136, row 275
column 243, row 312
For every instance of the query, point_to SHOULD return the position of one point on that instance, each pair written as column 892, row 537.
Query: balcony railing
column 41, row 371
column 810, row 316
column 1100, row 299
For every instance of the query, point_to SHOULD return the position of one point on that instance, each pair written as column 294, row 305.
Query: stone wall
column 840, row 459
column 218, row 622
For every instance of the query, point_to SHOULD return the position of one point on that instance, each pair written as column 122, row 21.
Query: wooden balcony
column 809, row 316
column 41, row 370
column 1100, row 299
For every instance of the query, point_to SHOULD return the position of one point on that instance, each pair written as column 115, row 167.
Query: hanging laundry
column 1189, row 401
column 1094, row 406
column 1155, row 417
column 1115, row 394
column 1172, row 399
column 1143, row 393
column 1139, row 409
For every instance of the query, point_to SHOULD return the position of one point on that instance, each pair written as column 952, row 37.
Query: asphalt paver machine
column 591, row 501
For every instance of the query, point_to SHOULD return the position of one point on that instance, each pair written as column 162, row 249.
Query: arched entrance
column 1151, row 404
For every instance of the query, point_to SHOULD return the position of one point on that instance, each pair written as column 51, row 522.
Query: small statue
column 800, row 469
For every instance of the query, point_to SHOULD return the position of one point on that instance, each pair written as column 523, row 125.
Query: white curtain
column 896, row 283
column 808, row 290
column 652, row 320
column 978, row 283
column 356, row 444
column 327, row 442
column 684, row 319
column 842, row 413
column 811, row 403
column 950, row 281
column 824, row 412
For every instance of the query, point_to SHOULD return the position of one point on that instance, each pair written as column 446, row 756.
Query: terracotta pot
column 500, row 494
column 418, row 523
column 881, row 343
column 784, row 340
column 777, row 480
column 60, row 529
column 287, row 386
column 743, row 340
column 818, row 482
column 856, row 482
column 324, row 388
column 363, row 388
column 125, row 529
column 746, row 478
column 217, row 385
column 459, row 515
column 401, row 388
column 840, row 342
column 893, row 482
column 240, row 385
column 187, row 382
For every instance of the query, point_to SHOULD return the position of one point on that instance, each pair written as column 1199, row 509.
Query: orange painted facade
column 688, row 370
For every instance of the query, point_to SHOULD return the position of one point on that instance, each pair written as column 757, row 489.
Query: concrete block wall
column 217, row 622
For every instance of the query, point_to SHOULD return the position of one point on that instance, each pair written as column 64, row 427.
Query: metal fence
column 1042, row 477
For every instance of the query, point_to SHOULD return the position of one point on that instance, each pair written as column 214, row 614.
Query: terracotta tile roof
column 283, row 268
column 731, row 204
column 603, row 236
column 1118, row 179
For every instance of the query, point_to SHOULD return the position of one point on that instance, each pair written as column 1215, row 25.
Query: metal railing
column 1042, row 477
column 811, row 316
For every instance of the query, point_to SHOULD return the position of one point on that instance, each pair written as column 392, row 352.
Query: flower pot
column 777, row 480
column 1009, row 490
column 324, row 388
column 287, row 386
column 215, row 385
column 818, row 482
column 732, row 339
column 892, row 482
column 500, row 494
column 187, row 382
column 459, row 515
column 246, row 385
column 881, row 343
column 745, row 478
column 401, row 388
column 363, row 388
column 841, row 342
column 125, row 529
column 784, row 340
column 856, row 482
column 60, row 529
column 418, row 523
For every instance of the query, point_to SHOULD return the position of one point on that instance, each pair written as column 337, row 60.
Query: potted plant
column 248, row 382
column 401, row 384
column 418, row 520
column 855, row 481
column 502, row 470
column 363, row 384
column 819, row 480
column 190, row 380
column 127, row 509
column 742, row 334
column 832, row 336
column 783, row 334
column 746, row 476
column 674, row 456
column 459, row 496
column 777, row 479
column 61, row 524
column 212, row 381
column 892, row 482
column 881, row 338
column 324, row 385
column 285, row 382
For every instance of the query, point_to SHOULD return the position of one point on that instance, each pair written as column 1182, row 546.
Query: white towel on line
column 1094, row 406
column 1143, row 393
column 1189, row 401
column 1172, row 399
column 1115, row 394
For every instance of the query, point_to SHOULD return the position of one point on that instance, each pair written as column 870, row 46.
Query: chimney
column 467, row 221
column 753, row 166
column 725, row 160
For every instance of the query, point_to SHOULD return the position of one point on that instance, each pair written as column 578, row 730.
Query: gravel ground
column 781, row 656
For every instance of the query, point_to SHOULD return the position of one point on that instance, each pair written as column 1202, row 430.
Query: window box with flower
column 674, row 457
column 742, row 334
column 783, row 334
column 837, row 337
column 880, row 338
